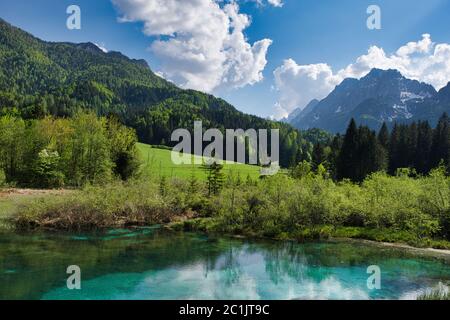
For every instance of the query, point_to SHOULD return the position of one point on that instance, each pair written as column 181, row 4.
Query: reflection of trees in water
column 285, row 260
column 33, row 264
column 316, row 260
column 228, row 261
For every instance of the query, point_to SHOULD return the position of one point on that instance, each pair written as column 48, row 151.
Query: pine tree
column 383, row 146
column 318, row 155
column 361, row 154
column 393, row 149
column 333, row 157
column 214, row 176
column 348, row 157
column 371, row 157
column 423, row 150
column 193, row 182
column 163, row 186
column 413, row 136
column 440, row 150
column 383, row 136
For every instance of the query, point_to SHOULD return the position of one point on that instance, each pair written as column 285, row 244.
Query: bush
column 2, row 178
column 116, row 204
column 382, row 208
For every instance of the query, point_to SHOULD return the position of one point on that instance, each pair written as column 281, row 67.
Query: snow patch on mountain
column 400, row 111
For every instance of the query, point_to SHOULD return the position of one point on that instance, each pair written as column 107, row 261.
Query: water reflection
column 149, row 263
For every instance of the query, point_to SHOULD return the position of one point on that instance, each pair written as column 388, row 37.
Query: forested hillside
column 39, row 78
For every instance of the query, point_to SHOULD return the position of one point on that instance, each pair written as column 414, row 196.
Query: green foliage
column 47, row 169
column 96, row 207
column 38, row 79
column 409, row 149
column 281, row 204
column 412, row 210
column 2, row 178
column 361, row 154
column 124, row 152
column 302, row 170
column 214, row 177
column 440, row 150
column 50, row 153
column 12, row 134
column 163, row 186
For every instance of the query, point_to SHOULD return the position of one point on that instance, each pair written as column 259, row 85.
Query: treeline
column 155, row 122
column 76, row 151
column 416, row 148
column 40, row 79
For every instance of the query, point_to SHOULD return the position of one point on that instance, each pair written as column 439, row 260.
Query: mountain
column 380, row 96
column 39, row 78
column 299, row 114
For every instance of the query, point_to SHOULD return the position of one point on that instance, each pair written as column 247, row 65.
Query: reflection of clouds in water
column 191, row 283
column 238, row 277
column 251, row 272
column 331, row 288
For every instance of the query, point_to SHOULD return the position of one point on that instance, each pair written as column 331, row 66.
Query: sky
column 266, row 57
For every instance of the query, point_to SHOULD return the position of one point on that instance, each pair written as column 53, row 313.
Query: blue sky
column 308, row 32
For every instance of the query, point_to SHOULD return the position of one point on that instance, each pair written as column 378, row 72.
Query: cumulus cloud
column 297, row 85
column 423, row 60
column 200, row 43
column 276, row 3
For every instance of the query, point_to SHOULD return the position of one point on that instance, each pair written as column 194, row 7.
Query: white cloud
column 297, row 85
column 422, row 60
column 276, row 3
column 200, row 43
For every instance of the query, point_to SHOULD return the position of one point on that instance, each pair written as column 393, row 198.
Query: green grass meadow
column 158, row 161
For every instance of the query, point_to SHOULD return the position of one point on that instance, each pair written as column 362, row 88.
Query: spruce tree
column 318, row 155
column 371, row 156
column 333, row 157
column 214, row 177
column 348, row 158
column 413, row 136
column 163, row 186
column 383, row 136
column 440, row 150
column 423, row 150
column 394, row 156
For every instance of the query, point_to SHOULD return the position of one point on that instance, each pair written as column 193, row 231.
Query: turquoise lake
column 150, row 263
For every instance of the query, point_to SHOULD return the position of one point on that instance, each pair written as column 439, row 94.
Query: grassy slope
column 159, row 161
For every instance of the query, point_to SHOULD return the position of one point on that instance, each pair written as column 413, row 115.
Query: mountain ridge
column 380, row 96
column 39, row 78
